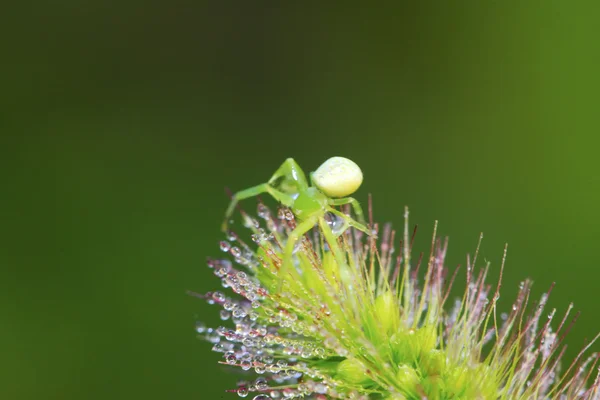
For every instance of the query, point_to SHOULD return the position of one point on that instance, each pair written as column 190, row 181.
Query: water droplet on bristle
column 261, row 397
column 242, row 391
column 224, row 314
column 224, row 245
column 200, row 327
column 262, row 211
column 218, row 297
column 336, row 223
column 246, row 365
column 250, row 222
column 238, row 313
column 260, row 369
column 261, row 384
column 230, row 357
column 231, row 236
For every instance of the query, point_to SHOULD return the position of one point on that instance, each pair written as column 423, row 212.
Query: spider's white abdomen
column 338, row 177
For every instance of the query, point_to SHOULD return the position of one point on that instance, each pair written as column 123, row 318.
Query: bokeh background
column 122, row 124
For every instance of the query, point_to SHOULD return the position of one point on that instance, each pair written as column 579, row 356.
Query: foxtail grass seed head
column 369, row 325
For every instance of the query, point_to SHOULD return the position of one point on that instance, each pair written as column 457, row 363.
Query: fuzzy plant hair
column 382, row 324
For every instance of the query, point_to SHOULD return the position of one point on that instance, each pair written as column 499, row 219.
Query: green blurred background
column 122, row 124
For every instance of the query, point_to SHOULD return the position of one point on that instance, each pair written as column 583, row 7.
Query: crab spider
column 331, row 183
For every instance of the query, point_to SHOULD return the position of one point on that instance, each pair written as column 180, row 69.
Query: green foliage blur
column 122, row 123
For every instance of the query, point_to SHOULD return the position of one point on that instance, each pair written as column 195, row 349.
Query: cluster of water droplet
column 266, row 339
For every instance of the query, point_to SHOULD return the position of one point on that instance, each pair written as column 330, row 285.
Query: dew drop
column 242, row 391
column 303, row 388
column 320, row 388
column 262, row 211
column 250, row 222
column 246, row 365
column 224, row 314
column 212, row 338
column 224, row 245
column 230, row 357
column 228, row 305
column 232, row 236
column 261, row 384
column 260, row 369
column 221, row 330
column 218, row 347
column 239, row 313
column 261, row 397
column 281, row 213
column 218, row 297
column 306, row 353
column 335, row 223
column 200, row 327
column 251, row 296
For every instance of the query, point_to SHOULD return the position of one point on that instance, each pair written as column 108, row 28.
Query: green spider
column 335, row 179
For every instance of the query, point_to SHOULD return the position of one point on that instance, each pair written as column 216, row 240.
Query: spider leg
column 288, row 252
column 291, row 173
column 281, row 197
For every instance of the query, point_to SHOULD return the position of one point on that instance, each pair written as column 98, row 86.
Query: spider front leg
column 252, row 192
column 290, row 176
column 355, row 206
column 288, row 252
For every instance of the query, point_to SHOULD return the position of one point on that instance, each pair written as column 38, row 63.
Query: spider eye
column 338, row 177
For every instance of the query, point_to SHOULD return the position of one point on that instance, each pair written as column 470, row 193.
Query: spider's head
column 337, row 177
